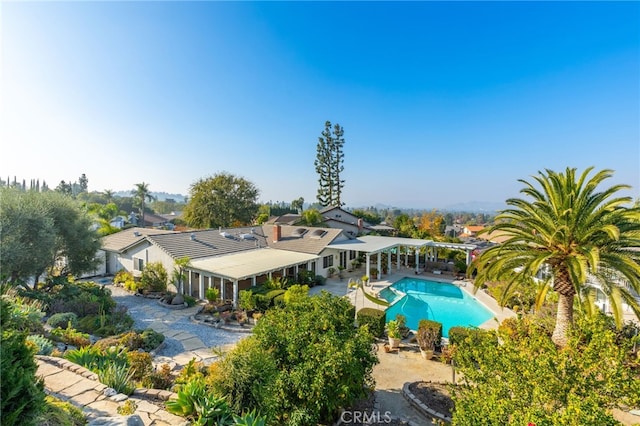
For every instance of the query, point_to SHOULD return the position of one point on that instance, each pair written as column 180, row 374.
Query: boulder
column 133, row 420
column 178, row 300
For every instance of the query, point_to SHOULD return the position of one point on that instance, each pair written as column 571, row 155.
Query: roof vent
column 226, row 235
column 318, row 233
column 193, row 236
column 247, row 237
column 299, row 232
column 136, row 233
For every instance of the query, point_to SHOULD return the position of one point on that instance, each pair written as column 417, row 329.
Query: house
column 231, row 259
column 285, row 219
column 337, row 217
column 156, row 221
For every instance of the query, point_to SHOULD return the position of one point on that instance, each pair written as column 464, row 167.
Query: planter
column 427, row 354
column 394, row 342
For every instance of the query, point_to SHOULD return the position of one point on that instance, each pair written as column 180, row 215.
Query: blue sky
column 442, row 103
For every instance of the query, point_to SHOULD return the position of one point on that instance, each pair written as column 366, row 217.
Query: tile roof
column 307, row 243
column 126, row 238
column 209, row 242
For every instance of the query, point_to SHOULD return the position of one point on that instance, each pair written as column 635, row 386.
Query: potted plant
column 427, row 338
column 393, row 332
column 331, row 271
column 340, row 269
column 374, row 273
column 365, row 280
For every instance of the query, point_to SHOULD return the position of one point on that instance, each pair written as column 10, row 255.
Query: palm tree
column 576, row 232
column 142, row 193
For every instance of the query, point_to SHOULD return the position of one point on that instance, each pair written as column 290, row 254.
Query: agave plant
column 252, row 418
column 118, row 377
column 45, row 347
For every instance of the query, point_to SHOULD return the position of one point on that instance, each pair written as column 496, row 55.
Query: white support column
column 190, row 279
column 469, row 257
column 417, row 260
column 201, row 293
column 235, row 293
column 379, row 257
column 398, row 260
column 253, row 281
column 368, row 266
column 389, row 264
column 222, row 295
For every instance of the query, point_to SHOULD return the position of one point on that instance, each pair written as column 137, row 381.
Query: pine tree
column 329, row 165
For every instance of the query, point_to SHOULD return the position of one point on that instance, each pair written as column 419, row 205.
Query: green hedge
column 374, row 318
column 273, row 294
column 458, row 335
column 62, row 320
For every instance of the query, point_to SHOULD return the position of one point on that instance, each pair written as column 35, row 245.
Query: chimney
column 360, row 222
column 277, row 233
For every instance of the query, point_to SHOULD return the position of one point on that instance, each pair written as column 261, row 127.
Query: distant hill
column 476, row 206
column 160, row 196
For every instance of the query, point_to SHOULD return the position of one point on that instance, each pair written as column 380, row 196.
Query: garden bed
column 435, row 396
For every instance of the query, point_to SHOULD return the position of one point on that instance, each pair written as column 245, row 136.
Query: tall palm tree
column 577, row 231
column 142, row 194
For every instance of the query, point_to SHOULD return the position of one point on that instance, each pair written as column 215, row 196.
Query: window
column 138, row 264
column 327, row 261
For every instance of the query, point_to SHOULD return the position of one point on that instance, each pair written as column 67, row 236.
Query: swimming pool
column 446, row 303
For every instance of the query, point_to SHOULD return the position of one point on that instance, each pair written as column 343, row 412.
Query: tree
column 64, row 188
column 312, row 217
column 223, row 200
column 284, row 370
column 431, row 223
column 27, row 235
column 108, row 194
column 179, row 275
column 329, row 165
column 298, row 204
column 44, row 232
column 142, row 194
column 527, row 379
column 578, row 232
column 83, row 183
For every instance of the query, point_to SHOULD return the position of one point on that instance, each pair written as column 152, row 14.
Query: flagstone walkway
column 71, row 382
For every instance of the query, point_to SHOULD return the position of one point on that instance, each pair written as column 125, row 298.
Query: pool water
column 446, row 303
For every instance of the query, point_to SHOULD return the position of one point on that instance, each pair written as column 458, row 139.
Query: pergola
column 373, row 244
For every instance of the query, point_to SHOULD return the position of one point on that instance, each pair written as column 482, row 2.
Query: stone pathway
column 71, row 382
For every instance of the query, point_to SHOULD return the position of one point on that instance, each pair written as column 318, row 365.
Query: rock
column 133, row 420
column 119, row 397
column 109, row 392
column 178, row 300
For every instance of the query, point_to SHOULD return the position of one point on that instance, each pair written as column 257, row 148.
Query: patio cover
column 376, row 243
column 251, row 263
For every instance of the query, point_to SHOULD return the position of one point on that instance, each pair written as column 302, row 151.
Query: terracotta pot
column 394, row 343
column 428, row 354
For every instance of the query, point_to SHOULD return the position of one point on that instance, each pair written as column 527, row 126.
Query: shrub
column 190, row 300
column 71, row 336
column 42, row 344
column 22, row 396
column 296, row 293
column 320, row 280
column 122, row 277
column 151, row 339
column 128, row 408
column 154, row 277
column 159, row 379
column 195, row 403
column 374, row 318
column 63, row 320
column 140, row 363
column 212, row 294
column 278, row 301
column 262, row 302
column 60, row 413
column 270, row 296
column 247, row 300
column 117, row 377
column 82, row 298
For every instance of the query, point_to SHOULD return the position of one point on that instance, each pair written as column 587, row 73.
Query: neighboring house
column 118, row 222
column 336, row 217
column 116, row 248
column 285, row 219
column 156, row 221
column 383, row 229
column 453, row 230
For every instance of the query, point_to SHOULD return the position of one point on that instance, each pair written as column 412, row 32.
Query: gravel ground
column 211, row 337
